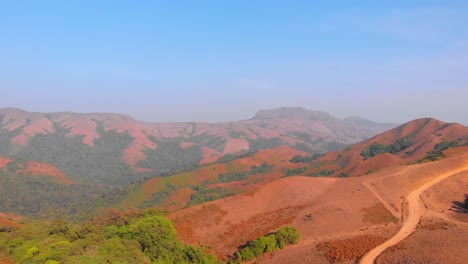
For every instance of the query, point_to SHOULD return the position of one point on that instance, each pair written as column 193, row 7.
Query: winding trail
column 416, row 209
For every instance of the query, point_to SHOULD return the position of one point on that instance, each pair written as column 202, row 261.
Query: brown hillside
column 424, row 135
column 208, row 175
column 326, row 211
column 304, row 202
column 34, row 168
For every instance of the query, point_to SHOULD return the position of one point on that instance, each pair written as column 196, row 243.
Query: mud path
column 416, row 209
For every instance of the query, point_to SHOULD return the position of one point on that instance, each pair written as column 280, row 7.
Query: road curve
column 416, row 210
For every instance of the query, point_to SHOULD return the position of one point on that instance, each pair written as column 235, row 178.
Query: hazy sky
column 223, row 60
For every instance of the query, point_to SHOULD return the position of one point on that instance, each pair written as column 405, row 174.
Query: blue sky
column 224, row 60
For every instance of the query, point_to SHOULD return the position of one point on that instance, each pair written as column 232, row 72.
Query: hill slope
column 339, row 219
column 416, row 141
column 83, row 161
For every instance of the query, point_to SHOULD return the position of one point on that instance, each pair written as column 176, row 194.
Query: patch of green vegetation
column 334, row 146
column 263, row 143
column 243, row 175
column 298, row 171
column 376, row 148
column 43, row 197
column 145, row 237
column 80, row 162
column 204, row 194
column 437, row 152
column 305, row 159
column 274, row 241
column 160, row 197
column 344, row 175
column 262, row 169
column 169, row 157
column 234, row 176
column 302, row 136
column 216, row 143
column 307, row 148
column 231, row 157
column 323, row 173
column 236, row 134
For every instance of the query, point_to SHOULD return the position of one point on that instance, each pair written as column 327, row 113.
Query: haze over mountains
column 112, row 148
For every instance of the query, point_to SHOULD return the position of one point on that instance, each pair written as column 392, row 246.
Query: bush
column 287, row 236
column 376, row 148
column 437, row 152
column 304, row 159
column 373, row 150
column 284, row 236
column 204, row 194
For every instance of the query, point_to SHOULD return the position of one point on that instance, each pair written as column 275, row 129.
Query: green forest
column 137, row 237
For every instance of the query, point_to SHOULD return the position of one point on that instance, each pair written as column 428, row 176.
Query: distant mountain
column 115, row 149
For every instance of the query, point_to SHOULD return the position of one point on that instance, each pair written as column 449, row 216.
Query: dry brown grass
column 435, row 241
column 258, row 225
column 207, row 215
column 348, row 249
column 6, row 260
column 378, row 214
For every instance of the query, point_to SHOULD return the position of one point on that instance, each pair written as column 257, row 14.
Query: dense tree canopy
column 144, row 237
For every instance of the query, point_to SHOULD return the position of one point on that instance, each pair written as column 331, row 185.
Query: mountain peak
column 292, row 112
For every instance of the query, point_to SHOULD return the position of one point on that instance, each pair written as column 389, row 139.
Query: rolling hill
column 341, row 219
column 69, row 163
column 417, row 141
column 343, row 203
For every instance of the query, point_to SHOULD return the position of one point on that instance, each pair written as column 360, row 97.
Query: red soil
column 178, row 199
column 376, row 163
column 209, row 155
column 34, row 168
column 185, row 144
column 79, row 125
column 10, row 220
column 4, row 162
column 152, row 186
column 235, row 145
column 31, row 124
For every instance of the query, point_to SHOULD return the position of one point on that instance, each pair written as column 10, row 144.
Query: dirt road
column 416, row 209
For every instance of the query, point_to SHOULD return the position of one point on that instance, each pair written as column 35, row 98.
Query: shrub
column 376, row 148
column 287, row 236
column 304, row 159
column 284, row 236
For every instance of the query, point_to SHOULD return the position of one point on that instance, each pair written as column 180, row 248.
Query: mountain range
column 115, row 149
column 345, row 186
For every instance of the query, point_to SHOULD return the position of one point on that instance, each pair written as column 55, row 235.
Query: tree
column 286, row 236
